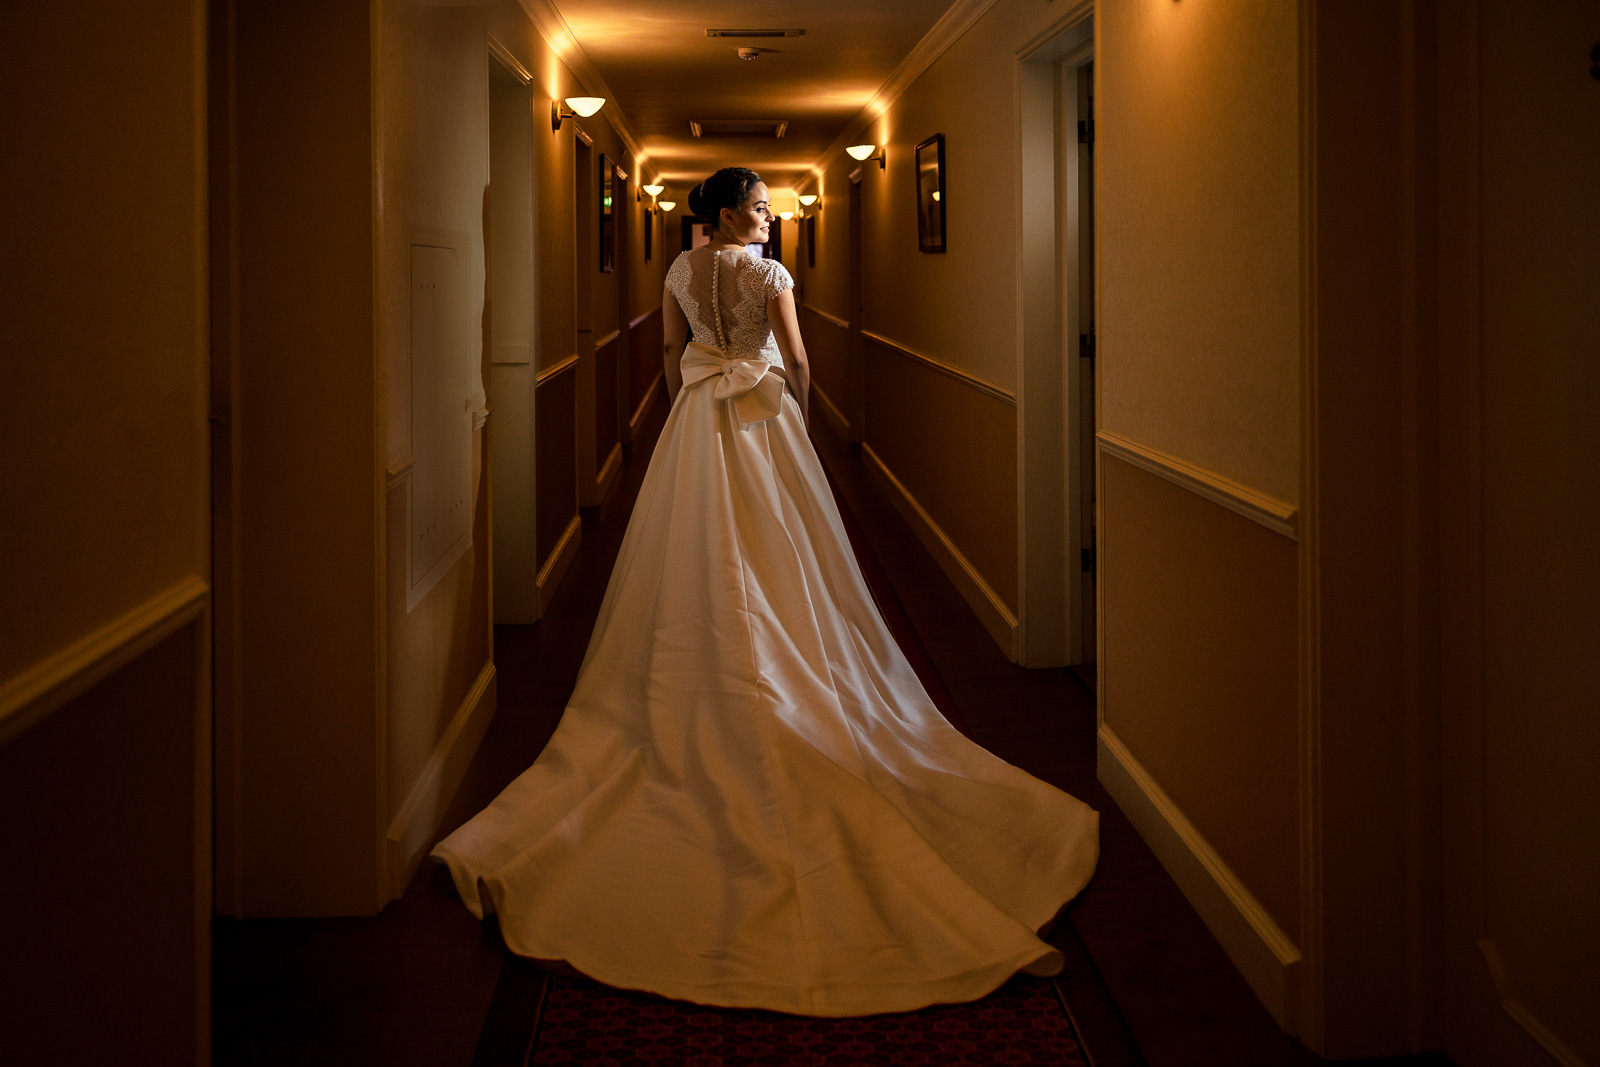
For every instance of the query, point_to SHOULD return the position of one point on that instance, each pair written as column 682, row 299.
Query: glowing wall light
column 867, row 151
column 581, row 106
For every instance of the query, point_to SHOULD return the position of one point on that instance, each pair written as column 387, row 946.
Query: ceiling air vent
column 755, row 33
column 738, row 127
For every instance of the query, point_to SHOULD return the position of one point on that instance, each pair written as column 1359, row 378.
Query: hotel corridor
column 1208, row 386
column 424, row 984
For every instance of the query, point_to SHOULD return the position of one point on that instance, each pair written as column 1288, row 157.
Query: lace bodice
column 745, row 285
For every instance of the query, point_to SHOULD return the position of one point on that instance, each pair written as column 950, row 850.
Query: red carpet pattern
column 583, row 1022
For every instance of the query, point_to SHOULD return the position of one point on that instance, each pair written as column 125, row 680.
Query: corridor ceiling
column 664, row 73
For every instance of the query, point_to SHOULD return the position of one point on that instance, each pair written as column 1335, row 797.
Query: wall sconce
column 581, row 106
column 867, row 151
column 786, row 215
column 809, row 199
column 655, row 190
column 666, row 205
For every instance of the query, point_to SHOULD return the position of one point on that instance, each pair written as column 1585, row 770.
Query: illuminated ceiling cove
column 666, row 74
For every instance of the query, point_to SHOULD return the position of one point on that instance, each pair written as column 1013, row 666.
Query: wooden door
column 1519, row 376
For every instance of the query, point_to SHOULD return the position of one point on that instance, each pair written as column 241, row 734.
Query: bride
column 750, row 800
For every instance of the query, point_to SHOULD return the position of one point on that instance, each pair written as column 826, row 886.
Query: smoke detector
column 749, row 53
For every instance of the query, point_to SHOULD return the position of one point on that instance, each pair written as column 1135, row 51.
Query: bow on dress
column 756, row 394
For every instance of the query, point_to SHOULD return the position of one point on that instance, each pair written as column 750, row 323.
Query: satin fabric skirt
column 750, row 800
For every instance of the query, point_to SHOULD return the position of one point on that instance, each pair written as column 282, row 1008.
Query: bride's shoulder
column 680, row 267
column 774, row 273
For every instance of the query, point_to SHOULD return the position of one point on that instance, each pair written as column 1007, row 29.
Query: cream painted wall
column 826, row 283
column 432, row 172
column 431, row 85
column 1198, row 171
column 959, row 308
column 1200, row 675
column 304, row 770
column 106, row 475
column 105, row 778
column 1198, row 145
column 380, row 713
column 431, row 88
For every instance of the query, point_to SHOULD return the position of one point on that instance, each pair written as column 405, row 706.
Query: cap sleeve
column 778, row 278
column 677, row 279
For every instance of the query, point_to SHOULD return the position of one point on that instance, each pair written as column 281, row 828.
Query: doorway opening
column 509, row 334
column 1056, row 624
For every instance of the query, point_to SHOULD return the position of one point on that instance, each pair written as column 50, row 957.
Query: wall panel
column 607, row 399
column 827, row 342
column 644, row 367
column 1199, row 617
column 99, row 803
column 557, row 460
column 966, row 482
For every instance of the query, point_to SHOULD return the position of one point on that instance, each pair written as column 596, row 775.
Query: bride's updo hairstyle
column 729, row 187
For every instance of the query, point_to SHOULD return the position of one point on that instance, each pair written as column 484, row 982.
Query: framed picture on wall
column 608, row 215
column 930, row 194
column 811, row 240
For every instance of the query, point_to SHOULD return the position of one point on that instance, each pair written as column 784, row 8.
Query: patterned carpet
column 1026, row 1021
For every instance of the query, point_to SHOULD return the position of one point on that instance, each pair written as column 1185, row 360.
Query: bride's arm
column 675, row 336
column 786, row 331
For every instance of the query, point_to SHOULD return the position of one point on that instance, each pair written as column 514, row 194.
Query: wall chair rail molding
column 835, row 320
column 982, row 385
column 398, row 472
column 555, row 369
column 50, row 683
column 1274, row 514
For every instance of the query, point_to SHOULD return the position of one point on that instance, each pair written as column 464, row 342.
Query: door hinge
column 1086, row 131
column 1086, row 345
column 1088, row 560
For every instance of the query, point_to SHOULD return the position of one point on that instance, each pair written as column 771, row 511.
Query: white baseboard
column 996, row 617
column 412, row 831
column 555, row 567
column 1266, row 957
column 830, row 411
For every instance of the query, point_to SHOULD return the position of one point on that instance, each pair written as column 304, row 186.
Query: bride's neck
column 721, row 241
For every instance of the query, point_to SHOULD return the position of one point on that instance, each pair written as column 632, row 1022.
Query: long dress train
column 750, row 801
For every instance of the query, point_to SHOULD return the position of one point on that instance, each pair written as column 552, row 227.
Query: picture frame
column 930, row 189
column 608, row 215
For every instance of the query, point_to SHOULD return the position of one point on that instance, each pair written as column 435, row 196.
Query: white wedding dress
column 750, row 800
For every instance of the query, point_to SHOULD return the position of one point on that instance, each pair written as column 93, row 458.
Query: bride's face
column 753, row 221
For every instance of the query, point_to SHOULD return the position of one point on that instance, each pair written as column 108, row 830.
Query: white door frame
column 1050, row 629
